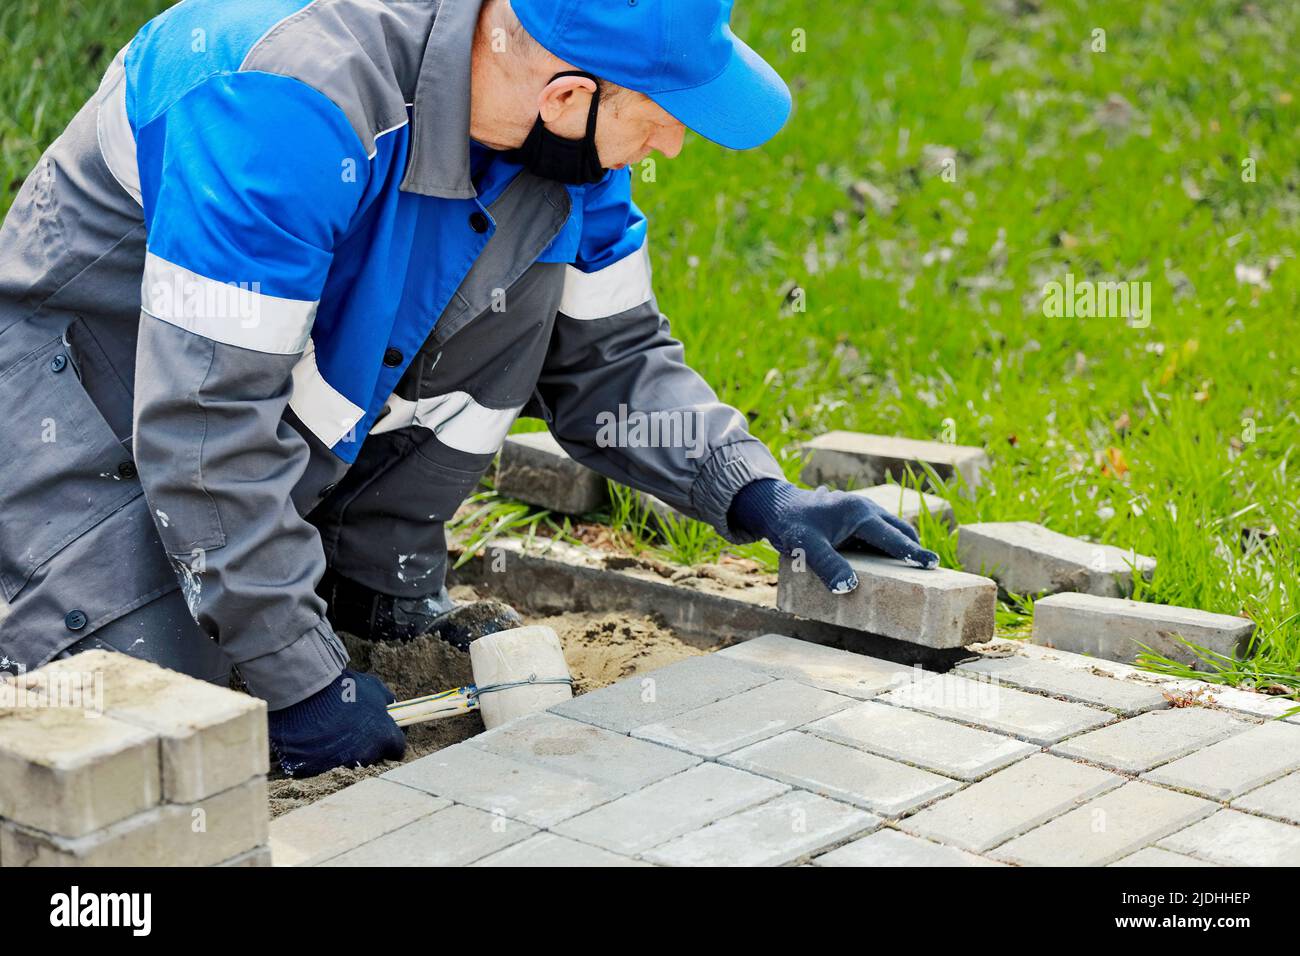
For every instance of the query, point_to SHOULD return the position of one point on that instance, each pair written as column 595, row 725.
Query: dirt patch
column 599, row 648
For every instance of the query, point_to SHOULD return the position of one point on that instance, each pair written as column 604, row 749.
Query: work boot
column 358, row 610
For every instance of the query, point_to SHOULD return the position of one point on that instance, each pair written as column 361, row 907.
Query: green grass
column 923, row 314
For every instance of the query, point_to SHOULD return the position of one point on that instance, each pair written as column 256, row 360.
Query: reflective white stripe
column 457, row 420
column 614, row 289
column 235, row 313
column 113, row 129
column 328, row 414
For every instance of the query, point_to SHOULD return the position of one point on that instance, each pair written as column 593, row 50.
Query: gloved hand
column 343, row 725
column 818, row 522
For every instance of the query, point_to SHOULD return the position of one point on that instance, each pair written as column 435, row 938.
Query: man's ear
column 559, row 95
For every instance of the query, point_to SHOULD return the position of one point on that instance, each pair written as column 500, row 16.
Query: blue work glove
column 344, row 725
column 818, row 522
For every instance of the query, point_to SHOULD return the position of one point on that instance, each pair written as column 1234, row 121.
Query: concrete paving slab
column 937, row 608
column 535, row 469
column 891, row 848
column 854, row 776
column 1027, row 558
column 456, row 836
column 1010, row 802
column 547, row 850
column 1232, row 838
column 674, row 806
column 1154, row 856
column 907, row 503
column 657, row 695
column 1107, row 828
column 828, row 668
column 1232, row 767
column 1116, row 628
column 1149, row 740
column 744, row 719
column 538, row 795
column 775, row 833
column 845, row 459
column 912, row 737
column 993, row 706
column 347, row 819
column 582, row 750
column 1126, row 698
column 1279, row 800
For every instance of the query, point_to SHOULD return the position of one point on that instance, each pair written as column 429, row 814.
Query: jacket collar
column 439, row 160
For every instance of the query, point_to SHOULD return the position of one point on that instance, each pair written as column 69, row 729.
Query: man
column 271, row 303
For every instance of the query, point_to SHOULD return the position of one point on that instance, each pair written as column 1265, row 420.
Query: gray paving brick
column 747, row 718
column 535, row 469
column 583, row 750
column 936, row 608
column 1279, row 799
column 1115, row 628
column 1010, row 802
column 1148, row 740
column 891, row 848
column 547, row 849
column 772, row 834
column 940, row 745
column 538, row 795
column 1040, row 720
column 1107, row 828
column 345, row 820
column 1027, row 558
column 853, row 459
column 456, row 836
column 1123, row 697
column 843, row 672
column 842, row 773
column 656, row 695
column 1234, row 766
column 679, row 804
column 907, row 503
column 1232, row 838
column 1154, row 856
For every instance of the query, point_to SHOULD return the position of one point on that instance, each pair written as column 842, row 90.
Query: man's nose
column 668, row 140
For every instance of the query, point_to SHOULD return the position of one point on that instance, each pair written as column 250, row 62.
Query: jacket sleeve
column 244, row 201
column 622, row 399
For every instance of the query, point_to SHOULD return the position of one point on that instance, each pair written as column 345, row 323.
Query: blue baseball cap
column 680, row 53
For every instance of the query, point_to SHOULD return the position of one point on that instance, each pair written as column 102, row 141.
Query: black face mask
column 574, row 162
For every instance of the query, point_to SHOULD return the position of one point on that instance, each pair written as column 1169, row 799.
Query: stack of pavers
column 110, row 761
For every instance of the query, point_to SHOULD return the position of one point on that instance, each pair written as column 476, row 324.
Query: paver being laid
column 1232, row 838
column 842, row 773
column 684, row 802
column 1107, row 828
column 534, row 468
column 1040, row 720
column 347, row 819
column 1279, row 800
column 907, row 503
column 780, row 831
column 547, row 849
column 456, row 836
column 656, row 695
column 1151, row 739
column 891, row 848
column 1026, row 558
column 744, row 719
column 1127, row 698
column 1116, row 628
column 1234, row 766
column 1154, row 856
column 912, row 737
column 582, row 750
column 1010, row 802
column 935, row 608
column 843, row 672
column 845, row 459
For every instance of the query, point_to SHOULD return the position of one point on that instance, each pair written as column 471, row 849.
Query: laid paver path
column 784, row 753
